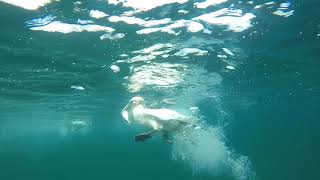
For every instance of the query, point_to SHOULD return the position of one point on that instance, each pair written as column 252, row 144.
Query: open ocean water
column 246, row 70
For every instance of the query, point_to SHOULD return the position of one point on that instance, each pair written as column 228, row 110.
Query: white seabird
column 159, row 120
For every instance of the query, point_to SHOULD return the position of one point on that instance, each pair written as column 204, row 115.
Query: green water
column 254, row 81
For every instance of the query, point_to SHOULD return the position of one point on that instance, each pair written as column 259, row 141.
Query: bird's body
column 159, row 120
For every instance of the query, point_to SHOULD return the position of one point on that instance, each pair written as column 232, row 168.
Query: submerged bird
column 158, row 120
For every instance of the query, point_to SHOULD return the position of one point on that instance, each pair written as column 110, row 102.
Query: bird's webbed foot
column 142, row 137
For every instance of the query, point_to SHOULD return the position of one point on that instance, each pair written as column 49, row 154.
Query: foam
column 78, row 87
column 282, row 13
column 228, row 51
column 263, row 5
column 144, row 5
column 153, row 48
column 233, row 19
column 188, row 51
column 97, row 14
column 139, row 21
column 115, row 68
column 207, row 3
column 57, row 26
column 284, row 10
column 192, row 26
column 112, row 36
column 29, row 5
column 140, row 57
column 81, row 21
column 41, row 21
column 181, row 11
column 230, row 67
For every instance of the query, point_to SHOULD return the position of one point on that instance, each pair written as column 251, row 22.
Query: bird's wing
column 168, row 114
column 164, row 114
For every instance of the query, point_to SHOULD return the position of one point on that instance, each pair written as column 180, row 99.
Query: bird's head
column 134, row 102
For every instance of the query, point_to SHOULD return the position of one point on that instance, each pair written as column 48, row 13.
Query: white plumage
column 164, row 120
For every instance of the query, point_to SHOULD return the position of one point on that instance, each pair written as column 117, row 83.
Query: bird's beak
column 125, row 112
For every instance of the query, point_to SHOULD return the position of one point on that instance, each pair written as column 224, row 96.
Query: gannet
column 158, row 120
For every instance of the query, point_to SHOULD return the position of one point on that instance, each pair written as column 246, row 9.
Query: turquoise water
column 246, row 70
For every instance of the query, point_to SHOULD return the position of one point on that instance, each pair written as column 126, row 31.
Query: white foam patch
column 112, row 36
column 115, row 68
column 164, row 50
column 222, row 56
column 97, row 14
column 207, row 3
column 128, row 13
column 123, row 55
column 81, row 21
column 139, row 21
column 285, row 5
column 206, row 152
column 77, row 87
column 230, row 67
column 29, row 5
column 193, row 51
column 151, row 52
column 153, row 48
column 192, row 26
column 233, row 19
column 57, row 26
column 263, row 5
column 282, row 13
column 144, row 5
column 181, row 11
column 284, row 10
column 228, row 51
column 40, row 21
column 153, row 30
column 140, row 57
